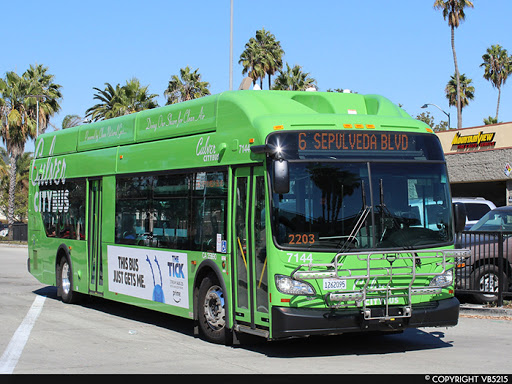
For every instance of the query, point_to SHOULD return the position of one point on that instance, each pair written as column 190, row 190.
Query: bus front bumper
column 292, row 322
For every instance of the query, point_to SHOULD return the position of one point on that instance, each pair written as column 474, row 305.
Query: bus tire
column 65, row 282
column 211, row 311
column 486, row 278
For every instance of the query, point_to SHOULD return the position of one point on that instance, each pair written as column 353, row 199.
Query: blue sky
column 397, row 48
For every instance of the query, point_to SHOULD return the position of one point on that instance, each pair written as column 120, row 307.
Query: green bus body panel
column 106, row 133
column 214, row 131
column 183, row 119
column 233, row 115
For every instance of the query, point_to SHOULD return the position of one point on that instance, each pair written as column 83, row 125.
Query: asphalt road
column 40, row 334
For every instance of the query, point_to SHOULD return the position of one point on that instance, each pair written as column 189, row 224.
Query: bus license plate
column 334, row 284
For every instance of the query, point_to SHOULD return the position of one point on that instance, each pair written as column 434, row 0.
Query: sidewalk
column 481, row 310
column 13, row 244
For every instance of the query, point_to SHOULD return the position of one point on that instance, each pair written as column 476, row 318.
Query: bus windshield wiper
column 361, row 220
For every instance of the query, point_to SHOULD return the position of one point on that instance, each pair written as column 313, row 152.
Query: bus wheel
column 212, row 311
column 65, row 282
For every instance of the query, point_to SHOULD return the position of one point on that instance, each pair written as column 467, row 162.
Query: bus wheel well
column 64, row 276
column 207, row 268
column 62, row 252
column 201, row 274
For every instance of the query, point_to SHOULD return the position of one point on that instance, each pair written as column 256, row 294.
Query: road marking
column 13, row 351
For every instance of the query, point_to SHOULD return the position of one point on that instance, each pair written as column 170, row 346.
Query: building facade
column 480, row 161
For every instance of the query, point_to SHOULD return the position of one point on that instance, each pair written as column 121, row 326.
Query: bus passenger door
column 94, row 236
column 249, row 251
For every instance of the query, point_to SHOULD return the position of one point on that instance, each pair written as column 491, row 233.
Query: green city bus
column 274, row 213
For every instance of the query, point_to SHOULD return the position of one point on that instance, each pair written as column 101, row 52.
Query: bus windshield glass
column 360, row 205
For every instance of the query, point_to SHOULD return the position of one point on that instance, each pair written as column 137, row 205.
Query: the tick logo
column 176, row 268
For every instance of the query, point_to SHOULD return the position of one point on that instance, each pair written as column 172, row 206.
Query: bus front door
column 249, row 252
column 94, row 236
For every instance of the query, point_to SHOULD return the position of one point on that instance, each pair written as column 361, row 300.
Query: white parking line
column 13, row 351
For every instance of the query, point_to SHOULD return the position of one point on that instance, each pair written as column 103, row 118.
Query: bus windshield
column 363, row 205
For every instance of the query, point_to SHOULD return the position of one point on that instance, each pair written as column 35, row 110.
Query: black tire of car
column 487, row 271
column 212, row 311
column 65, row 282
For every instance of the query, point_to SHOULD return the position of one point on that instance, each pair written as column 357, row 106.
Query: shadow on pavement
column 127, row 311
column 332, row 345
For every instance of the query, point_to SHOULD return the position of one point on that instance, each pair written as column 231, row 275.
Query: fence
column 487, row 274
column 19, row 231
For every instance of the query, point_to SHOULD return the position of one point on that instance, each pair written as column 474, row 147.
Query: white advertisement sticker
column 148, row 274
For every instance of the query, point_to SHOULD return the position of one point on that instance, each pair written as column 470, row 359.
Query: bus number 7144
column 294, row 257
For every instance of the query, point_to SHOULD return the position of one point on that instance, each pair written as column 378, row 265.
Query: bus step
column 246, row 329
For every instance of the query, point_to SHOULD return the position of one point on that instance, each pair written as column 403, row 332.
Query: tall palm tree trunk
column 459, row 109
column 12, row 188
column 498, row 105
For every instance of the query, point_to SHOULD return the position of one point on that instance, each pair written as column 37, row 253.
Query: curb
column 474, row 309
column 13, row 245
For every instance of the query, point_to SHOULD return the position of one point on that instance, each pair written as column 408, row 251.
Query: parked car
column 476, row 208
column 482, row 271
column 4, row 232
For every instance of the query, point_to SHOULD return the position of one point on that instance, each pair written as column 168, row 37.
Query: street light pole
column 446, row 113
column 37, row 112
column 231, row 49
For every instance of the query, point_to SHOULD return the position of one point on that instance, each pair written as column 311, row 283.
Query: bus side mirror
column 459, row 216
column 280, row 176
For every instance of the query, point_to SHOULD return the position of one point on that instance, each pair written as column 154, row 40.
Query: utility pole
column 231, row 49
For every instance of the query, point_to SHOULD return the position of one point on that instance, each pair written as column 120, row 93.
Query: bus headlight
column 289, row 286
column 444, row 280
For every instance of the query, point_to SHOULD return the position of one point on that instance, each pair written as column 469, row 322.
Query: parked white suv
column 476, row 207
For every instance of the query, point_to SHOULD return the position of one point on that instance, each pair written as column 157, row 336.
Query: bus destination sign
column 365, row 141
column 357, row 144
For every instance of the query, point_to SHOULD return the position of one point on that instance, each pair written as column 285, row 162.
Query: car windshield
column 495, row 220
column 362, row 205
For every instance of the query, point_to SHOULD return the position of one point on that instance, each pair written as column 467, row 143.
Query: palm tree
column 71, row 121
column 121, row 100
column 17, row 117
column 17, row 127
column 262, row 56
column 4, row 170
column 293, row 79
column 490, row 120
column 135, row 98
column 186, row 87
column 271, row 53
column 497, row 65
column 453, row 10
column 22, row 182
column 46, row 95
column 251, row 61
column 467, row 91
column 106, row 108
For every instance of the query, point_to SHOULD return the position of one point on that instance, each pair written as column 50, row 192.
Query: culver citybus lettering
column 206, row 150
column 354, row 141
column 53, row 171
